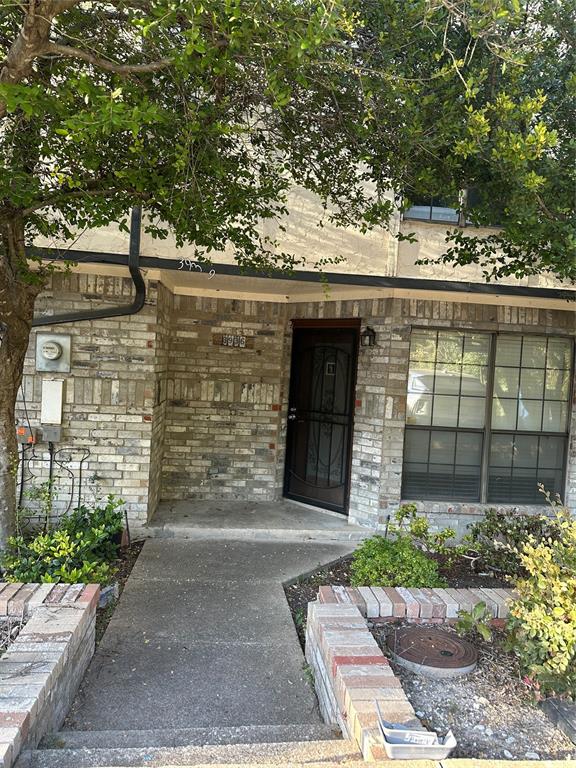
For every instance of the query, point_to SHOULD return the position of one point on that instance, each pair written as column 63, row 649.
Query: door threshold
column 329, row 512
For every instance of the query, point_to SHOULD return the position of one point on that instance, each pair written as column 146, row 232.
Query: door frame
column 353, row 323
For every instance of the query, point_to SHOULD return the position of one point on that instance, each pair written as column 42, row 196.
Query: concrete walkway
column 203, row 637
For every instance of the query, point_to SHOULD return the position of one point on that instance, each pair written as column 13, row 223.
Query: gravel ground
column 490, row 711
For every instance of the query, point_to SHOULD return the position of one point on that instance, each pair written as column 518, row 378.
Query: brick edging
column 41, row 670
column 351, row 673
column 433, row 606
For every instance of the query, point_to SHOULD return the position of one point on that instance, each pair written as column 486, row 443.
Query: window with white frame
column 487, row 416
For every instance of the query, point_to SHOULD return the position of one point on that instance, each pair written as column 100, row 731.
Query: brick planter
column 42, row 669
column 351, row 673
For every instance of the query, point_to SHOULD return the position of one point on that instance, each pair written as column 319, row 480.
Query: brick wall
column 108, row 396
column 222, row 418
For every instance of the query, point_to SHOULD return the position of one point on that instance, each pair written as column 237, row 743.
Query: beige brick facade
column 168, row 413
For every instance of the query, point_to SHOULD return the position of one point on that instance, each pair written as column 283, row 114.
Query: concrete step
column 337, row 752
column 188, row 737
column 179, row 531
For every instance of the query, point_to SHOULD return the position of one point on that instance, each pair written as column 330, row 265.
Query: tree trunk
column 16, row 312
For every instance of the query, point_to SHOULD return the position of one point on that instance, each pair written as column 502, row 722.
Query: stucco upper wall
column 376, row 253
column 430, row 243
column 367, row 254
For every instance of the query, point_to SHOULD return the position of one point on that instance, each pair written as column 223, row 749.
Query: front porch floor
column 255, row 520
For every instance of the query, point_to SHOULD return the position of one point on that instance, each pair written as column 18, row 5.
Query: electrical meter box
column 53, row 352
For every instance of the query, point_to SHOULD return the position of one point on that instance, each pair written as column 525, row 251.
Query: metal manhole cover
column 432, row 652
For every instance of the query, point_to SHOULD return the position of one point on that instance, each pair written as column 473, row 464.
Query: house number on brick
column 233, row 341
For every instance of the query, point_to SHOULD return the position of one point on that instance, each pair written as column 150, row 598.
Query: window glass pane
column 474, row 379
column 551, row 452
column 532, row 383
column 450, row 347
column 423, row 346
column 418, row 212
column 559, row 353
column 526, row 451
column 504, row 413
column 444, row 214
column 530, row 415
column 418, row 408
column 557, row 384
column 476, row 348
column 555, row 417
column 502, row 451
column 508, row 350
column 421, row 379
column 506, row 382
column 442, row 447
column 472, row 412
column 445, row 412
column 448, row 380
column 416, row 445
column 469, row 449
column 534, row 352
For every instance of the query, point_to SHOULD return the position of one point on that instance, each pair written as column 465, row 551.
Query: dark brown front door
column 320, row 415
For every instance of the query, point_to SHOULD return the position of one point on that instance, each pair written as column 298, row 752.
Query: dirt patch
column 491, row 711
column 124, row 565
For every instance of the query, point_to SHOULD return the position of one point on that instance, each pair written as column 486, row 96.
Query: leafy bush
column 107, row 517
column 475, row 622
column 77, row 550
column 542, row 625
column 408, row 523
column 498, row 538
column 380, row 562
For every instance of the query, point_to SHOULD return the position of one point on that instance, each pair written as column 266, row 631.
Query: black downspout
column 121, row 311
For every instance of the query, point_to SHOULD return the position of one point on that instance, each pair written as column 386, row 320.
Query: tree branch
column 110, row 66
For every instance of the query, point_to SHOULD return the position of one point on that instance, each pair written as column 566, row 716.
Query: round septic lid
column 432, row 652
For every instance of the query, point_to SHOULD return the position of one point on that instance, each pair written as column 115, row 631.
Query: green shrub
column 79, row 549
column 380, row 562
column 408, row 523
column 542, row 625
column 498, row 538
column 107, row 517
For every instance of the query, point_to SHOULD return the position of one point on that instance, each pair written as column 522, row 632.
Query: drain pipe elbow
column 118, row 311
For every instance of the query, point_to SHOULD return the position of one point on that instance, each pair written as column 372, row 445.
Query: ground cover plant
column 79, row 548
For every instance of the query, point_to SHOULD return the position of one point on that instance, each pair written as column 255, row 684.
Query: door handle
column 291, row 416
